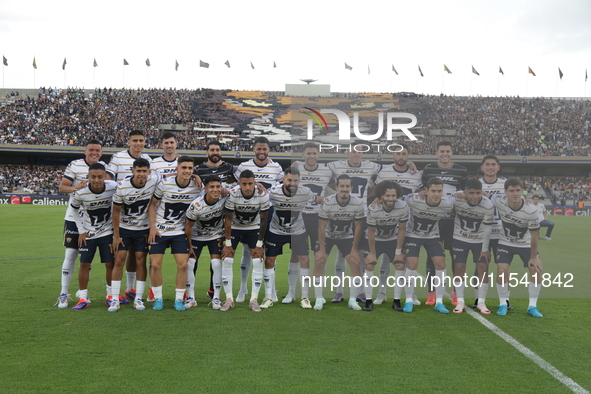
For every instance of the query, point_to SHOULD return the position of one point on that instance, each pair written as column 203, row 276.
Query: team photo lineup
column 131, row 210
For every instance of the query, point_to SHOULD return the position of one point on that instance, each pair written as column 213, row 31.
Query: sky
column 306, row 39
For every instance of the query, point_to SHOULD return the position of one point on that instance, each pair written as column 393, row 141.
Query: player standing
column 167, row 163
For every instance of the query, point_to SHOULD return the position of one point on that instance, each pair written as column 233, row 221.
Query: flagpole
column 471, row 84
column 443, row 83
column 498, row 85
column 94, row 76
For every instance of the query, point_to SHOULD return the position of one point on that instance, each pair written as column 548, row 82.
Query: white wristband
column 259, row 244
column 398, row 251
column 228, row 243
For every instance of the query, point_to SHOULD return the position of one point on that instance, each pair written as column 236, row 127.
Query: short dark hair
column 473, row 184
column 535, row 196
column 513, row 182
column 184, row 159
column 167, row 135
column 246, row 174
column 213, row 142
column 342, row 177
column 141, row 162
column 211, row 178
column 261, row 140
column 292, row 171
column 434, row 181
column 485, row 158
column 96, row 166
column 310, row 144
column 136, row 132
column 94, row 142
column 383, row 186
column 444, row 143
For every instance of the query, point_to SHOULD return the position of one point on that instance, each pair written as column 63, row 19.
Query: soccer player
column 423, row 231
column 205, row 227
column 410, row 181
column 268, row 173
column 360, row 172
column 386, row 225
column 472, row 228
column 166, row 164
column 543, row 217
column 119, row 168
column 245, row 221
column 519, row 237
column 131, row 227
column 454, row 177
column 96, row 229
column 287, row 227
column 340, row 224
column 167, row 213
column 75, row 178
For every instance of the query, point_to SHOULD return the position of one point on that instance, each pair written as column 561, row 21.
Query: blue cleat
column 130, row 294
column 159, row 304
column 534, row 311
column 408, row 307
column 80, row 305
column 502, row 310
column 179, row 305
column 439, row 307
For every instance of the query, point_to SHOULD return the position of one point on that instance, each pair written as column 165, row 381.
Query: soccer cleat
column 454, row 298
column 407, row 307
column 430, row 298
column 319, row 304
column 439, row 307
column 229, row 304
column 62, row 301
column 475, row 304
column 158, row 304
column 241, row 296
column 368, row 306
column 361, row 298
column 380, row 299
column 114, row 307
column 509, row 307
column 502, row 310
column 130, row 294
column 396, row 306
column 138, row 304
column 459, row 308
column 338, row 297
column 267, row 303
column 151, row 297
column 415, row 300
column 189, row 303
column 254, row 306
column 80, row 305
column 547, row 239
column 288, row 299
column 305, row 303
column 216, row 304
column 122, row 300
column 354, row 305
column 483, row 309
column 534, row 311
column 179, row 305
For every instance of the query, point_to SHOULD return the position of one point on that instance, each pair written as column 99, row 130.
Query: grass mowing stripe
column 34, row 258
column 546, row 366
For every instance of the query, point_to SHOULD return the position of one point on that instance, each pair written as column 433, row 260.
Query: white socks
column 130, row 280
column 68, row 268
column 318, row 280
column 191, row 278
column 245, row 264
column 398, row 289
column 534, row 293
column 305, row 281
column 227, row 276
column 269, row 277
column 139, row 291
column 367, row 284
column 293, row 273
column 339, row 269
column 410, row 283
column 440, row 288
column 216, row 266
column 257, row 277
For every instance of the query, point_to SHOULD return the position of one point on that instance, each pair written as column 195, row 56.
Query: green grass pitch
column 285, row 348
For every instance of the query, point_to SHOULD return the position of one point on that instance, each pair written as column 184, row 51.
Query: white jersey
column 97, row 208
column 121, row 164
column 469, row 219
column 386, row 223
column 496, row 188
column 208, row 218
column 247, row 210
column 516, row 223
column 163, row 167
column 134, row 202
column 341, row 218
column 287, row 218
column 315, row 180
column 174, row 201
column 76, row 172
column 424, row 218
column 409, row 182
column 268, row 175
column 360, row 176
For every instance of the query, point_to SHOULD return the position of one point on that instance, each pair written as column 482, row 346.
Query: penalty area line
column 546, row 366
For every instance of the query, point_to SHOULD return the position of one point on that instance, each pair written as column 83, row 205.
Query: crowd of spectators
column 484, row 125
column 31, row 179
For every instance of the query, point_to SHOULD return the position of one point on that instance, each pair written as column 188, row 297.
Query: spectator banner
column 7, row 199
